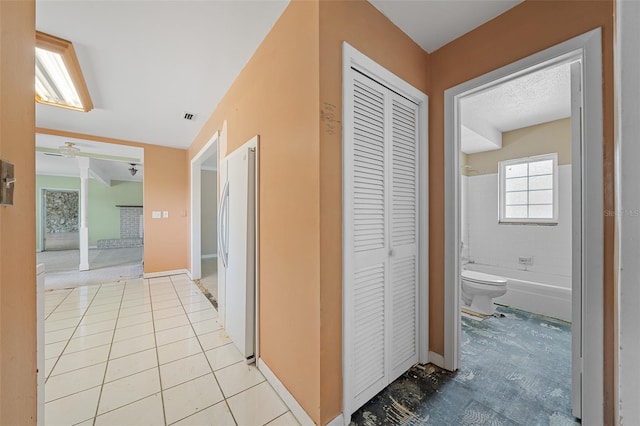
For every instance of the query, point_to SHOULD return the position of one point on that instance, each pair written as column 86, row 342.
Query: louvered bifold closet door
column 403, row 268
column 368, row 198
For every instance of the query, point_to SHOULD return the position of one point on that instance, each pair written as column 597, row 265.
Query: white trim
column 586, row 47
column 209, row 256
column 352, row 58
column 289, row 400
column 337, row 421
column 436, row 359
column 166, row 273
column 196, row 221
column 627, row 85
column 209, row 168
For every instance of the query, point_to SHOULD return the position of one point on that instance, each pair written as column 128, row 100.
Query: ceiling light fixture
column 133, row 169
column 59, row 80
column 69, row 150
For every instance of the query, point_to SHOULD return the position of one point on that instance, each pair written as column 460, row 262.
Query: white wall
column 500, row 245
column 209, row 218
column 627, row 83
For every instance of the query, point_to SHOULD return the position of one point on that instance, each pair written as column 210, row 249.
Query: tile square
column 166, row 304
column 75, row 313
column 190, row 397
column 287, row 419
column 135, row 302
column 238, row 377
column 102, row 308
column 58, row 335
column 168, row 313
column 214, row 340
column 180, row 349
column 73, row 381
column 137, row 344
column 208, row 326
column 147, row 411
column 174, row 334
column 98, row 327
column 162, row 297
column 134, row 319
column 223, row 356
column 218, row 414
column 110, row 300
column 87, row 342
column 257, row 405
column 198, row 306
column 72, row 409
column 203, row 315
column 131, row 364
column 172, row 322
column 183, row 370
column 135, row 310
column 60, row 324
column 102, row 316
column 132, row 331
column 54, row 350
column 81, row 359
column 129, row 389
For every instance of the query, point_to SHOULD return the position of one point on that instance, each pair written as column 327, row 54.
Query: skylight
column 59, row 80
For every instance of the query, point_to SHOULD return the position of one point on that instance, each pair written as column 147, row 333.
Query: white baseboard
column 436, row 359
column 338, row 421
column 289, row 400
column 165, row 273
column 209, row 256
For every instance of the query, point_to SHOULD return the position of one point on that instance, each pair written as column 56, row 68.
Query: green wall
column 103, row 215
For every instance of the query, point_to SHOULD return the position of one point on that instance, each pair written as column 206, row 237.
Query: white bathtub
column 536, row 292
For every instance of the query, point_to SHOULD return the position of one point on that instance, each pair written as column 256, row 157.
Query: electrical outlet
column 165, row 214
column 526, row 261
column 156, row 215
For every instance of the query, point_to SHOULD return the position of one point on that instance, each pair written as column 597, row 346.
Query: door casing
column 588, row 49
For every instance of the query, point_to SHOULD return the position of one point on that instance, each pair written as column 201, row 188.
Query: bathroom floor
column 515, row 370
column 148, row 351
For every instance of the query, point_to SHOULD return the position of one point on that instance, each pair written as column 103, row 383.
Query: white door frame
column 207, row 150
column 352, row 58
column 587, row 47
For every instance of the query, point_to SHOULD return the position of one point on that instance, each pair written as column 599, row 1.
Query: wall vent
column 189, row 116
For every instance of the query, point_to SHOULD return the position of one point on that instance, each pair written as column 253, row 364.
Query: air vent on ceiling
column 189, row 116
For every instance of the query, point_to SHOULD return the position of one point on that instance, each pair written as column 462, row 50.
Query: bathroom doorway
column 578, row 60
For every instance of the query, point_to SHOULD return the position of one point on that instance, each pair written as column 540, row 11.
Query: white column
column 83, row 163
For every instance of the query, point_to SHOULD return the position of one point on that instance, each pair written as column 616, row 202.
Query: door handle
column 223, row 217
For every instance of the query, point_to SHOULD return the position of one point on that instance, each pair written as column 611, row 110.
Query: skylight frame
column 65, row 49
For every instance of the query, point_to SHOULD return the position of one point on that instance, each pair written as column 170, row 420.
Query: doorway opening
column 582, row 56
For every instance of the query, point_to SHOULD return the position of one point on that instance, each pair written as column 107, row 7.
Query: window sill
column 533, row 223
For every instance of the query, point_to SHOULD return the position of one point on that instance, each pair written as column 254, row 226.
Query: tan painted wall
column 17, row 223
column 366, row 29
column 276, row 97
column 526, row 29
column 165, row 179
column 545, row 138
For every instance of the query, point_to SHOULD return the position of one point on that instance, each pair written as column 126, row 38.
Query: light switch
column 155, row 214
column 165, row 214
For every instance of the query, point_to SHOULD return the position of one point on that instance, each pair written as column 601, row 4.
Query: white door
column 381, row 236
column 237, row 248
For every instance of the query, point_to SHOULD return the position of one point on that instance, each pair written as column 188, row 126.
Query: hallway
column 148, row 351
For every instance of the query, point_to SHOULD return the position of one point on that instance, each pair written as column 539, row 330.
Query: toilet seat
column 482, row 278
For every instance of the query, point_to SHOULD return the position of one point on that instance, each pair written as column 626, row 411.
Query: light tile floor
column 148, row 352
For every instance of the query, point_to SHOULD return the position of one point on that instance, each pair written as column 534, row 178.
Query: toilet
column 479, row 290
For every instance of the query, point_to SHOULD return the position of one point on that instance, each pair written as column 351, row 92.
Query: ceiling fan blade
column 56, row 152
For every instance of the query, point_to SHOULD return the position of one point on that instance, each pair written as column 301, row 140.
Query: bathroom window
column 529, row 190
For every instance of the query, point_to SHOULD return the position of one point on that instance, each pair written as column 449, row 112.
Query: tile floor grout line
column 106, row 368
column 224, row 398
column 59, row 303
column 155, row 339
column 46, row 379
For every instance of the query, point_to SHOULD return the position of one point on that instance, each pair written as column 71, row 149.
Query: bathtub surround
column 515, row 370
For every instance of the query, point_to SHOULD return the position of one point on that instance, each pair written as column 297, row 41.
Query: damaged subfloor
column 514, row 370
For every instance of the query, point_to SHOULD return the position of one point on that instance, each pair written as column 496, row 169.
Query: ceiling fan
column 70, row 150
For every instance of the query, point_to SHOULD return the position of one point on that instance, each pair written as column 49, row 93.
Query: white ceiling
column 434, row 23
column 147, row 62
column 107, row 161
column 532, row 99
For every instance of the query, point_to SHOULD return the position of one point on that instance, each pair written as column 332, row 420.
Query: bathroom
column 515, row 195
